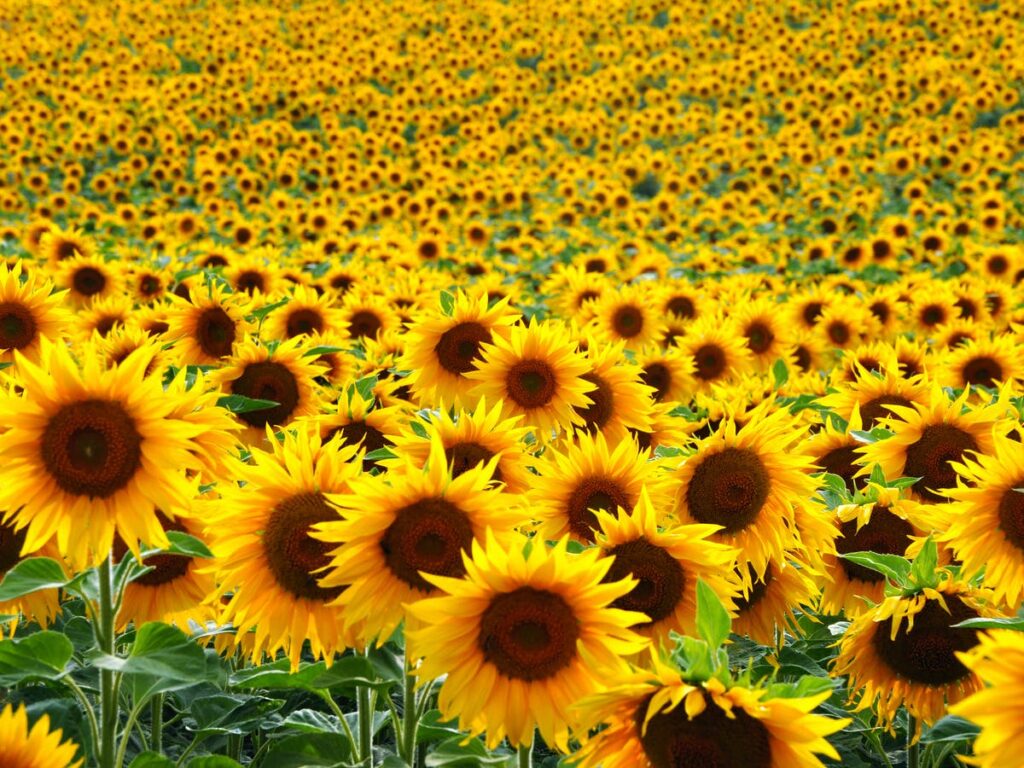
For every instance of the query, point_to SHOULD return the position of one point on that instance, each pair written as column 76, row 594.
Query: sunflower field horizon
column 509, row 384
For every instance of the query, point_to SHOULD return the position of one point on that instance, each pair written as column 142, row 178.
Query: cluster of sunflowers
column 641, row 379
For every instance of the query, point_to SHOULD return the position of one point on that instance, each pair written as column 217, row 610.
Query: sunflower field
column 413, row 384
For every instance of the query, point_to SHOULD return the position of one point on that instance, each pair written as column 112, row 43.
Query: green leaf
column 151, row 760
column 306, row 750
column 230, row 714
column 922, row 569
column 1015, row 623
column 894, row 567
column 432, row 728
column 162, row 658
column 31, row 575
column 447, row 303
column 904, row 482
column 713, row 622
column 877, row 475
column 312, row 721
column 262, row 312
column 780, row 372
column 42, row 655
column 365, row 387
column 322, row 350
column 876, row 434
column 243, row 404
column 454, row 753
column 184, row 544
column 950, row 728
column 213, row 761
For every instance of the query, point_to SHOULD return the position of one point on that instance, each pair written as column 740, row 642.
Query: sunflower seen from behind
column 521, row 637
column 259, row 530
column 395, row 530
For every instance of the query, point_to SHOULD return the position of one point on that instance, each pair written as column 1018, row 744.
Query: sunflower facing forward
column 521, row 637
column 259, row 531
column 658, row 720
column 89, row 452
column 29, row 311
column 536, row 373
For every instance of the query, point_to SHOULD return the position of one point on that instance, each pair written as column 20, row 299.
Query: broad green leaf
column 893, row 567
column 322, row 350
column 42, row 655
column 447, row 303
column 243, row 404
column 1015, row 623
column 162, row 658
column 308, row 750
column 262, row 312
column 184, row 544
column 31, row 575
column 454, row 753
column 151, row 760
column 312, row 721
column 433, row 728
column 780, row 373
column 713, row 622
column 225, row 713
column 950, row 728
column 922, row 569
column 213, row 761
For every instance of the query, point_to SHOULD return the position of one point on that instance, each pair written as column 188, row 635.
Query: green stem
column 365, row 710
column 105, row 638
column 525, row 755
column 188, row 750
column 234, row 747
column 333, row 705
column 122, row 750
column 410, row 717
column 90, row 713
column 913, row 747
column 156, row 716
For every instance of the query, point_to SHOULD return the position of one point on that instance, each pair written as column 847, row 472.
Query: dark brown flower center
column 294, row 557
column 712, row 739
column 356, row 432
column 529, row 634
column 759, row 337
column 841, row 461
column 215, row 332
column 927, row 653
column 875, row 409
column 812, row 311
column 660, row 579
column 365, row 323
column 628, row 322
column 982, row 371
column 11, row 542
column 884, row 533
column 17, row 325
column 594, row 493
column 66, row 249
column 304, row 321
column 682, row 307
column 1011, row 515
column 459, row 347
column 728, row 489
column 429, row 535
column 838, row 332
column 710, row 362
column 531, row 383
column 658, row 376
column 166, row 567
column 91, row 448
column 88, row 281
column 602, row 406
column 250, row 281
column 465, row 456
column 267, row 381
column 931, row 458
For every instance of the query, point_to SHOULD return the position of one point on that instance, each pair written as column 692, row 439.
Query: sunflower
column 88, row 279
column 443, row 346
column 36, row 748
column 57, row 246
column 356, row 421
column 29, row 311
column 102, row 316
column 339, row 364
column 519, row 638
column 306, row 313
column 903, row 652
column 125, row 339
column 627, row 315
column 998, row 659
column 619, row 400
column 535, row 373
column 928, row 438
column 667, row 429
column 748, row 481
column 575, row 293
column 666, row 564
column 984, row 362
column 717, row 351
column 254, row 273
column 656, row 719
column 886, row 525
column 282, row 375
column 986, row 529
column 682, row 299
column 834, row 450
column 764, row 329
column 90, row 452
column 766, row 609
column 176, row 584
column 470, row 438
column 873, row 394
column 669, row 372
column 400, row 528
column 260, row 531
column 585, row 476
column 366, row 315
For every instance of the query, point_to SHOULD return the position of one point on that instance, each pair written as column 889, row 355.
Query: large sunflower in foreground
column 90, row 451
column 207, row 324
column 29, row 311
column 442, row 347
column 748, row 481
column 657, row 720
column 399, row 528
column 576, row 478
column 667, row 564
column 259, row 532
column 38, row 747
column 929, row 438
column 986, row 528
column 471, row 438
column 903, row 652
column 520, row 638
column 535, row 373
column 887, row 526
column 998, row 659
